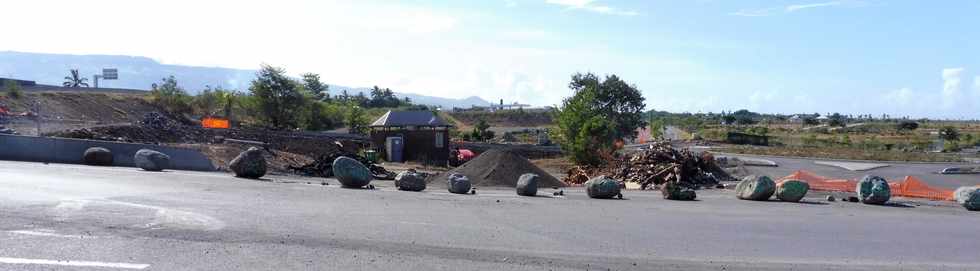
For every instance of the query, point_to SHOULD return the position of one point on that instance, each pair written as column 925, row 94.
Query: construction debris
column 322, row 166
column 657, row 165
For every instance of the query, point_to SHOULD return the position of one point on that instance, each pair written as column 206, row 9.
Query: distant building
column 425, row 136
column 23, row 83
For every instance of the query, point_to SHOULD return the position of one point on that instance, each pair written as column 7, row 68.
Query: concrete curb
column 69, row 151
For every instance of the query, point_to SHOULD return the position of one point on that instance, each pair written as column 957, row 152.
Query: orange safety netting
column 907, row 187
column 215, row 123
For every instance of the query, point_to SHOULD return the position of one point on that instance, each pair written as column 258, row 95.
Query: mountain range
column 136, row 72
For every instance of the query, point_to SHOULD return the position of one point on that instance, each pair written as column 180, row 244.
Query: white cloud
column 762, row 12
column 510, row 3
column 951, row 86
column 591, row 5
column 901, row 97
column 792, row 8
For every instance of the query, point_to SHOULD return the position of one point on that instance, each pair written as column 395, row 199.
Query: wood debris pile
column 656, row 165
column 322, row 166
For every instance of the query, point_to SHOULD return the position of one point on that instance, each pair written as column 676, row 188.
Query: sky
column 902, row 58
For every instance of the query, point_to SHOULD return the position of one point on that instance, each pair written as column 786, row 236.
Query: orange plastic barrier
column 907, row 187
column 215, row 123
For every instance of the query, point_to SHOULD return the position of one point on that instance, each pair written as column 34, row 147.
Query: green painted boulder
column 792, row 190
column 410, row 181
column 351, row 173
column 873, row 190
column 755, row 188
column 968, row 197
column 602, row 187
column 674, row 191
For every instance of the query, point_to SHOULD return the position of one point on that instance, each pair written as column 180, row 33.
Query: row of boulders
column 145, row 159
column 761, row 188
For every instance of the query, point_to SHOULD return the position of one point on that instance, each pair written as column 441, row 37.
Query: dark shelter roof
column 409, row 118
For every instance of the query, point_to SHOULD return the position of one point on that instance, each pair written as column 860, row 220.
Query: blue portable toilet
column 394, row 147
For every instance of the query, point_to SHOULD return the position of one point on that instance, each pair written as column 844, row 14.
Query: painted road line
column 46, row 234
column 73, row 263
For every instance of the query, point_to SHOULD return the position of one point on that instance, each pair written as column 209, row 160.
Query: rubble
column 657, row 165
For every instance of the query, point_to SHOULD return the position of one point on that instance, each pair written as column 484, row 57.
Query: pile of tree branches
column 656, row 165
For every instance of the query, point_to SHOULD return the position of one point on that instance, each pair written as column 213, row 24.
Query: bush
column 13, row 89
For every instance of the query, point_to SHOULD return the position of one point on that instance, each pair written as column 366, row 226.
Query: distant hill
column 137, row 72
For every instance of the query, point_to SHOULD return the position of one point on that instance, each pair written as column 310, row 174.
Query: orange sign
column 217, row 123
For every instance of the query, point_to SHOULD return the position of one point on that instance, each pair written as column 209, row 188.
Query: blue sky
column 917, row 58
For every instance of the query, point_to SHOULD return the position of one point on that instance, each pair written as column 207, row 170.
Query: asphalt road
column 70, row 217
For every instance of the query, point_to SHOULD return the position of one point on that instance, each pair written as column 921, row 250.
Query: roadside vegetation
column 277, row 101
column 593, row 123
column 838, row 136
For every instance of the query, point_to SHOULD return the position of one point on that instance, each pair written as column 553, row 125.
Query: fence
column 909, row 186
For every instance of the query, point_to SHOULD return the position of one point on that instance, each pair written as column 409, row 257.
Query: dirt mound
column 498, row 168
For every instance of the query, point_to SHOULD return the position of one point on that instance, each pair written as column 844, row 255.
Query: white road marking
column 73, row 263
column 46, row 234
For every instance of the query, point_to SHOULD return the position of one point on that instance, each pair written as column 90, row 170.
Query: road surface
column 72, row 217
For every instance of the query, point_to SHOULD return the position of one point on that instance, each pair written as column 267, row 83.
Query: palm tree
column 75, row 80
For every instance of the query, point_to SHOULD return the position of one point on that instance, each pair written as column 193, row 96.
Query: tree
column 599, row 114
column 170, row 97
column 278, row 96
column 837, row 119
column 12, row 88
column 206, row 102
column 481, row 132
column 355, row 120
column 615, row 99
column 907, row 126
column 319, row 90
column 949, row 133
column 74, row 80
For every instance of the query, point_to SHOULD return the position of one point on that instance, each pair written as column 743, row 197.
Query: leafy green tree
column 318, row 89
column 837, row 120
column 615, row 100
column 279, row 97
column 907, row 126
column 13, row 89
column 169, row 96
column 74, row 79
column 206, row 102
column 949, row 133
column 355, row 119
column 599, row 114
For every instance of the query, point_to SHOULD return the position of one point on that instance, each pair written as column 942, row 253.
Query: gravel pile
column 498, row 168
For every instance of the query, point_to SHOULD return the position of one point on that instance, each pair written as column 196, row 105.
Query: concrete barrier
column 69, row 151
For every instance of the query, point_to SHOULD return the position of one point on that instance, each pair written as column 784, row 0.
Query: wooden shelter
column 425, row 135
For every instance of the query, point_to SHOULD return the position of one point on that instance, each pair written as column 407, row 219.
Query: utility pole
column 37, row 116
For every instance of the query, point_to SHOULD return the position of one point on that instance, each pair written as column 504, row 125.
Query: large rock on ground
column 674, row 191
column 755, row 188
column 527, row 184
column 873, row 190
column 968, row 197
column 410, row 181
column 792, row 190
column 97, row 156
column 151, row 160
column 602, row 187
column 351, row 173
column 249, row 164
column 459, row 184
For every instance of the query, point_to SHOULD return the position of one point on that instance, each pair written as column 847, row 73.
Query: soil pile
column 498, row 168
